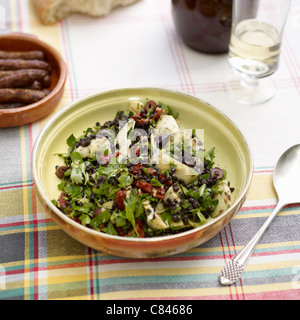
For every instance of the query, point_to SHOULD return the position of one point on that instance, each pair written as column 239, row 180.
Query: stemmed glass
column 254, row 49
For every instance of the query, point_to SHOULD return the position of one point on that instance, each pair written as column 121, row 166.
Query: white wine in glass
column 254, row 48
column 254, row 52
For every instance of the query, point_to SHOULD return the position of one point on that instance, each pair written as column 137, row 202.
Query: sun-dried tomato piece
column 158, row 113
column 148, row 188
column 120, row 197
column 63, row 203
column 160, row 193
column 139, row 228
column 141, row 122
column 136, row 169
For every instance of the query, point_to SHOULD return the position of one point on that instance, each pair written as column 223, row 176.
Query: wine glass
column 254, row 49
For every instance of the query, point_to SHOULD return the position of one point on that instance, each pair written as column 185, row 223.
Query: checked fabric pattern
column 138, row 46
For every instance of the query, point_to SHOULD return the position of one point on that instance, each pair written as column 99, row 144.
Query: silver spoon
column 286, row 180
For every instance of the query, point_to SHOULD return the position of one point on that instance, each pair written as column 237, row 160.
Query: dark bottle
column 204, row 25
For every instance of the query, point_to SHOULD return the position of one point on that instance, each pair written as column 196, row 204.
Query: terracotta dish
column 232, row 154
column 35, row 111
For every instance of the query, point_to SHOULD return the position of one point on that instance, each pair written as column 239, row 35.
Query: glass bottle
column 204, row 25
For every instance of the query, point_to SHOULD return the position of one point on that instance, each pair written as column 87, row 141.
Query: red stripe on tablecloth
column 175, row 50
column 264, row 207
column 232, row 237
column 24, row 223
column 67, row 58
column 227, row 241
column 293, row 294
column 169, row 39
column 224, row 257
column 234, row 248
column 186, row 68
column 30, row 185
column 47, row 268
column 183, row 64
column 295, row 58
column 250, row 208
column 294, row 69
column 212, row 297
column 275, row 252
column 230, row 254
column 286, row 56
column 166, row 13
column 257, row 171
column 182, row 70
column 91, row 280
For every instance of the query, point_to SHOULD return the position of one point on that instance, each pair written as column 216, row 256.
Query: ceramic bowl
column 232, row 154
column 37, row 110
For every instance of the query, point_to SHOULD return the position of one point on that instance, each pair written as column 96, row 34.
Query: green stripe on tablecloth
column 15, row 183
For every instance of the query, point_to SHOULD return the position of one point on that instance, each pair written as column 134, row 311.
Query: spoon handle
column 234, row 268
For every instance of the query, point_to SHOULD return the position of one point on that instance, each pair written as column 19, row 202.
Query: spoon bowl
column 286, row 176
column 286, row 180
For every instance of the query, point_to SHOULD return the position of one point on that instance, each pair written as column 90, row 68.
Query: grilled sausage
column 6, row 73
column 26, row 55
column 26, row 96
column 15, row 64
column 22, row 78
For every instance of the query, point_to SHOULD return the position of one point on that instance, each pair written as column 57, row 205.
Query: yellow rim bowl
column 232, row 153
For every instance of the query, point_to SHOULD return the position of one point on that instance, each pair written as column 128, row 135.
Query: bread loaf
column 51, row 11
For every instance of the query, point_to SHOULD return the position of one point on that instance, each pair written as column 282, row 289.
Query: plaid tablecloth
column 137, row 46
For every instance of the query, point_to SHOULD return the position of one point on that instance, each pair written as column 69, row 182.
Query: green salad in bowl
column 141, row 174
